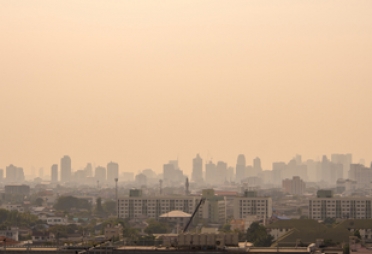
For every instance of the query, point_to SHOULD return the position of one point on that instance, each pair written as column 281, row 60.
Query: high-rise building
column 1, row 175
column 344, row 159
column 41, row 173
column 172, row 174
column 14, row 174
column 294, row 186
column 221, row 170
column 257, row 165
column 245, row 206
column 88, row 170
column 321, row 208
column 112, row 172
column 100, row 174
column 54, row 173
column 197, row 169
column 66, row 169
column 230, row 174
column 210, row 172
column 278, row 171
column 360, row 174
column 240, row 168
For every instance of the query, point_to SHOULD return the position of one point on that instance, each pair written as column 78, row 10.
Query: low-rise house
column 56, row 221
column 113, row 231
column 12, row 233
column 5, row 241
column 42, row 237
column 364, row 226
column 297, row 232
column 11, row 207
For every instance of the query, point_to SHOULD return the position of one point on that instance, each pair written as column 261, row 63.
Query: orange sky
column 142, row 82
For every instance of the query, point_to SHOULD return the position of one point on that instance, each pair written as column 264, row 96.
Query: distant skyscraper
column 112, row 172
column 230, row 174
column 172, row 174
column 100, row 174
column 210, row 172
column 11, row 173
column 14, row 174
column 41, row 173
column 240, row 168
column 197, row 169
column 221, row 170
column 20, row 175
column 54, row 173
column 88, row 170
column 66, row 169
column 344, row 159
column 1, row 175
column 257, row 165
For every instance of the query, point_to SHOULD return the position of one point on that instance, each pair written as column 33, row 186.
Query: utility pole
column 116, row 196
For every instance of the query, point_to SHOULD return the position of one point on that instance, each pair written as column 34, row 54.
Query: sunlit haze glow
column 143, row 82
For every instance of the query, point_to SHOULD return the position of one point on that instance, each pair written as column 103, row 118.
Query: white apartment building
column 248, row 206
column 56, row 221
column 350, row 207
column 153, row 207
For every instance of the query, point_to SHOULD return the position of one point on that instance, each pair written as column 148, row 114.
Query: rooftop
column 175, row 214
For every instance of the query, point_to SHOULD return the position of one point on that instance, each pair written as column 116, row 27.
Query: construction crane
column 202, row 200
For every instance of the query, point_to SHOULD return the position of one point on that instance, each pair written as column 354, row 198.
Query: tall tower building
column 197, row 169
column 100, row 174
column 240, row 172
column 210, row 173
column 112, row 172
column 11, row 173
column 54, row 173
column 88, row 170
column 344, row 159
column 65, row 169
column 41, row 173
column 221, row 170
column 257, row 165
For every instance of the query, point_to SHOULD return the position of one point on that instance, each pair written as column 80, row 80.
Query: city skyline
column 241, row 163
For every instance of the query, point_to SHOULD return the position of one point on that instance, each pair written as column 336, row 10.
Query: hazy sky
column 142, row 82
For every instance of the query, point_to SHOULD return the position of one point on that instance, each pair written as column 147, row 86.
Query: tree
column 357, row 234
column 109, row 207
column 39, row 202
column 156, row 227
column 226, row 228
column 99, row 208
column 65, row 203
column 346, row 249
column 258, row 235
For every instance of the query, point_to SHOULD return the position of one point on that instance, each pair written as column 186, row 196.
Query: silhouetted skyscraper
column 221, row 170
column 88, row 170
column 14, row 174
column 240, row 168
column 112, row 172
column 172, row 174
column 1, row 175
column 210, row 172
column 41, row 173
column 100, row 174
column 197, row 169
column 257, row 165
column 54, row 173
column 344, row 159
column 66, row 169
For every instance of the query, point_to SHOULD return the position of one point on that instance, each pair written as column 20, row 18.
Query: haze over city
column 143, row 83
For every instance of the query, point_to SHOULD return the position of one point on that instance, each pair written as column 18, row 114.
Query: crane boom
column 193, row 215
